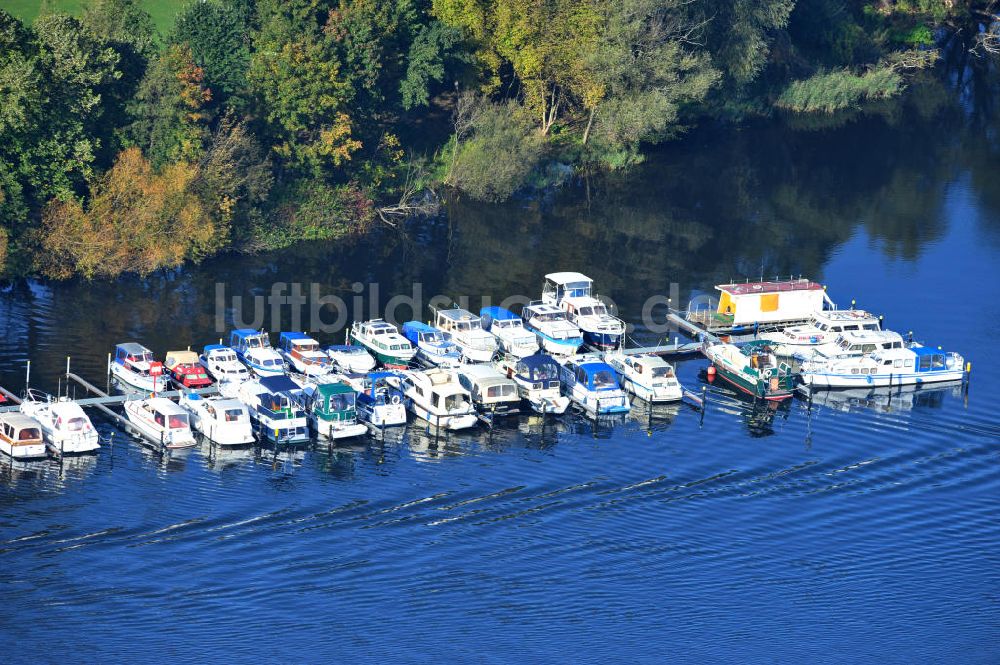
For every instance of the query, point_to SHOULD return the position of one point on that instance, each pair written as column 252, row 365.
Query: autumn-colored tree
column 296, row 76
column 172, row 122
column 137, row 221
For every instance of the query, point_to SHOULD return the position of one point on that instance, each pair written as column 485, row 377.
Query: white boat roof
column 378, row 324
column 869, row 335
column 544, row 308
column 566, row 277
column 165, row 406
column 66, row 408
column 745, row 288
column 133, row 348
column 181, row 358
column 845, row 316
column 484, row 374
column 457, row 314
column 227, row 403
column 18, row 420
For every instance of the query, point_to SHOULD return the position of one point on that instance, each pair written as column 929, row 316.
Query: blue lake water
column 856, row 528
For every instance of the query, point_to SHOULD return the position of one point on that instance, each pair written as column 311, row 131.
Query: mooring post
column 967, row 378
column 27, row 376
column 704, row 404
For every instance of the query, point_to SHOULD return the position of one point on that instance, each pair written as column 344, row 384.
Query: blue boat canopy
column 498, row 313
column 293, row 335
column 412, row 330
column 597, row 376
column 279, row 384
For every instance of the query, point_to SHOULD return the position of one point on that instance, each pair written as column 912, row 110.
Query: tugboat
column 591, row 383
column 916, row 365
column 466, row 329
column 185, row 371
column 537, row 379
column 510, row 332
column 434, row 347
column 302, row 353
column 752, row 368
column 555, row 332
column 573, row 292
column 65, row 426
column 647, row 376
column 384, row 342
column 131, row 365
column 253, row 348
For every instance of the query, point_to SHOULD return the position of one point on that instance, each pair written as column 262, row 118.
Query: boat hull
column 475, row 355
column 388, row 360
column 29, row 451
column 654, row 394
column 172, row 440
column 826, row 380
column 602, row 341
column 752, row 388
column 555, row 406
column 595, row 404
column 150, row 384
column 449, row 422
column 335, row 429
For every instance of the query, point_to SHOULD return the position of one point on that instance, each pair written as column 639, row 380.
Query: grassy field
column 162, row 11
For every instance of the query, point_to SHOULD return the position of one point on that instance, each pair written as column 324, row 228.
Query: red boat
column 186, row 371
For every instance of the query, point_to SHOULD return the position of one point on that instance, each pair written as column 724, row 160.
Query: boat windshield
column 662, row 372
column 225, row 357
column 432, row 337
column 342, row 402
column 306, row 346
column 271, row 362
column 549, row 317
column 453, row 402
column 603, row 379
column 596, row 310
column 29, row 433
column 140, row 358
column 576, row 289
column 871, row 326
column 77, row 424
column 177, row 421
column 254, row 343
column 502, row 390
column 546, row 372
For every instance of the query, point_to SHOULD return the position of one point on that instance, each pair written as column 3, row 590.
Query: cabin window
column 178, row 421
column 159, row 419
column 908, row 363
column 662, row 372
column 925, row 363
column 851, row 327
column 6, row 430
column 871, row 326
column 836, row 329
column 233, row 415
column 603, row 379
column 29, row 433
column 868, row 348
column 854, row 370
column 436, row 400
column 420, row 391
column 887, row 363
column 76, row 424
column 898, row 363
column 938, row 361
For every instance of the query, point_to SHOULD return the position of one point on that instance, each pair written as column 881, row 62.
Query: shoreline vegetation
column 247, row 125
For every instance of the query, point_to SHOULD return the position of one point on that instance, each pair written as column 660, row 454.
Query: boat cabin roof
column 498, row 314
column 345, row 348
column 378, row 325
column 542, row 308
column 279, row 384
column 457, row 314
column 328, row 389
column 845, row 316
column 18, row 420
column 175, row 358
column 165, row 406
column 531, row 365
column 484, row 374
column 243, row 333
column 131, row 349
column 753, row 288
column 417, row 327
column 212, row 348
column 563, row 278
column 296, row 338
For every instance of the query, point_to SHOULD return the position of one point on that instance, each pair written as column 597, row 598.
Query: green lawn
column 162, row 11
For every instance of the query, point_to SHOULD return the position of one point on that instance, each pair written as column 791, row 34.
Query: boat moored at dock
column 21, row 436
column 510, row 332
column 133, row 364
column 591, row 383
column 224, row 420
column 66, row 428
column 556, row 334
column 303, row 355
column 383, row 341
column 753, row 368
column 276, row 410
column 331, row 407
column 161, row 421
column 380, row 400
column 435, row 348
column 350, row 358
column 466, row 330
column 537, row 379
column 574, row 293
column 435, row 395
column 647, row 376
column 492, row 392
column 253, row 348
column 915, row 365
column 222, row 365
column 185, row 371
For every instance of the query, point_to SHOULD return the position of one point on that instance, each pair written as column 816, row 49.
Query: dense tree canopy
column 254, row 123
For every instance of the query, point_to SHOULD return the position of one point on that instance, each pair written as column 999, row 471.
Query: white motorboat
column 351, row 358
column 537, row 379
column 847, row 345
column 647, row 376
column 556, row 334
column 383, row 341
column 591, row 383
column 276, row 411
column 435, row 348
column 225, row 421
column 133, row 364
column 466, row 330
column 161, row 420
column 21, row 436
column 331, row 407
column 66, row 428
column 492, row 392
column 574, row 293
column 510, row 332
column 303, row 355
column 380, row 401
column 222, row 365
column 253, row 348
column 436, row 396
column 915, row 365
column 824, row 326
